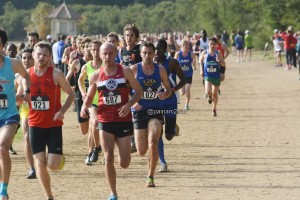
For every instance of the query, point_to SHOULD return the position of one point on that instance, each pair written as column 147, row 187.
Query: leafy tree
column 13, row 21
column 40, row 23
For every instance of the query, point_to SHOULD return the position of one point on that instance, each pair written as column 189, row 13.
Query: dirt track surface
column 251, row 151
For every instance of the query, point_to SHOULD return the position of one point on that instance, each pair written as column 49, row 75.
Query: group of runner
column 130, row 94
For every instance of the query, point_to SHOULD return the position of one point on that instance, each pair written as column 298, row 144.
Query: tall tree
column 39, row 22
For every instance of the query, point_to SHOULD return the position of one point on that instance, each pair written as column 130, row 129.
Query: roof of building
column 63, row 12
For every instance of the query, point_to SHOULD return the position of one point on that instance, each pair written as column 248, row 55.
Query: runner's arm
column 134, row 84
column 174, row 65
column 66, row 56
column 81, row 84
column 18, row 68
column 62, row 82
column 90, row 95
column 72, row 70
column 201, row 61
column 165, row 83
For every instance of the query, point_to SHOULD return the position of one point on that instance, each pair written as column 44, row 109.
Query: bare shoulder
column 57, row 74
column 15, row 61
column 95, row 76
column 133, row 68
column 162, row 69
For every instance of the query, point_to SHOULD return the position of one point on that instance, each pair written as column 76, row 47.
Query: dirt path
column 250, row 151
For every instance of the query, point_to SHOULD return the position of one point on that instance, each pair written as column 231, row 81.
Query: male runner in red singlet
column 46, row 114
column 113, row 83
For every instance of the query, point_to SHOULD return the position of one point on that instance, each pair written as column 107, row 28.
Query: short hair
column 212, row 39
column 163, row 43
column 147, row 44
column 105, row 44
column 33, row 34
column 27, row 50
column 132, row 27
column 63, row 37
column 218, row 36
column 113, row 34
column 85, row 40
column 98, row 42
column 185, row 42
column 11, row 44
column 78, row 39
column 43, row 44
column 3, row 36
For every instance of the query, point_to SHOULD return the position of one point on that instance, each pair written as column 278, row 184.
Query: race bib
column 3, row 101
column 211, row 69
column 185, row 68
column 111, row 98
column 149, row 95
column 40, row 103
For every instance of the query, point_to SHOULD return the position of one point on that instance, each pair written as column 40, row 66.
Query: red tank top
column 220, row 48
column 113, row 93
column 45, row 100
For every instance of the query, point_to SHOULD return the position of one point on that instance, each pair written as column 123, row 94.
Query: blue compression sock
column 3, row 189
column 161, row 152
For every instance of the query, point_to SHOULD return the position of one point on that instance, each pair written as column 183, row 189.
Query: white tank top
column 203, row 45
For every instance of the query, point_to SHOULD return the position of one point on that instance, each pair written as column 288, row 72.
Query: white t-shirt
column 277, row 44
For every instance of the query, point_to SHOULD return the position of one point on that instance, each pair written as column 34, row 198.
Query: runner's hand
column 137, row 106
column 124, row 111
column 84, row 113
column 161, row 95
column 58, row 116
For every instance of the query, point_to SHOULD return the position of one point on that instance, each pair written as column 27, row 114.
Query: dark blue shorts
column 141, row 118
column 170, row 110
column 15, row 119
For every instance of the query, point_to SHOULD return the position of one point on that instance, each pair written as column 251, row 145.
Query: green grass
column 19, row 135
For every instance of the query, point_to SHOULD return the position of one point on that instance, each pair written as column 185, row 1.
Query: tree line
column 260, row 17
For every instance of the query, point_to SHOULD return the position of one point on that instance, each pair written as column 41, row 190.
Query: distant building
column 63, row 21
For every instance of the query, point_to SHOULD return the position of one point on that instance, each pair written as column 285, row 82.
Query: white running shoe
column 163, row 168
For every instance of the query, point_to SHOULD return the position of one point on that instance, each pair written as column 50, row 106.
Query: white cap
column 276, row 30
column 247, row 32
column 49, row 37
column 290, row 28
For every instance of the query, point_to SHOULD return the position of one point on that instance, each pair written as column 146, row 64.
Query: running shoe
column 12, row 151
column 62, row 163
column 31, row 174
column 88, row 159
column 95, row 154
column 150, row 182
column 50, row 199
column 209, row 100
column 186, row 107
column 214, row 113
column 112, row 197
column 163, row 168
column 133, row 148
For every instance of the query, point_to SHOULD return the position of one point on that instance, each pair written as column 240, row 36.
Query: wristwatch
column 27, row 91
